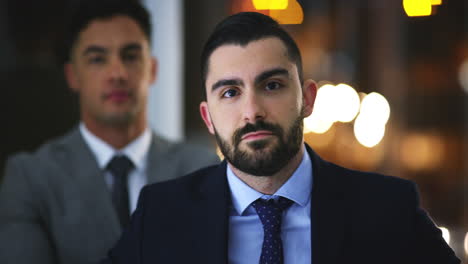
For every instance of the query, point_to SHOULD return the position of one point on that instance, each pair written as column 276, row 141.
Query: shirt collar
column 297, row 188
column 136, row 150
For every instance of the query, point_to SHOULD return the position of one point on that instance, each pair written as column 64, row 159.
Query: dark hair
column 89, row 10
column 243, row 28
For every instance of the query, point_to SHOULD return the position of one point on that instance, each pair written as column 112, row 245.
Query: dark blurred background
column 419, row 64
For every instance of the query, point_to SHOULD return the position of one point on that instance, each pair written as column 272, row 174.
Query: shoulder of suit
column 335, row 175
column 367, row 183
column 184, row 151
column 165, row 145
column 52, row 151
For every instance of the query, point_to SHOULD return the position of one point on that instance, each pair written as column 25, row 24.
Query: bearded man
column 273, row 200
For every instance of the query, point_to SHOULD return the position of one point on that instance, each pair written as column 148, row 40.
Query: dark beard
column 261, row 162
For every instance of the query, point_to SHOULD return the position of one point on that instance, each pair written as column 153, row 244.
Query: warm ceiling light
column 270, row 4
column 368, row 133
column 291, row 15
column 415, row 8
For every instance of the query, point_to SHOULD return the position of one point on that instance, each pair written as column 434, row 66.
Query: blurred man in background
column 69, row 201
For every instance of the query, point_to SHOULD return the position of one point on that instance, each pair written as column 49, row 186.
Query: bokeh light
column 315, row 124
column 465, row 244
column 368, row 132
column 463, row 75
column 375, row 109
column 293, row 14
column 445, row 234
column 369, row 126
column 270, row 4
column 322, row 140
column 347, row 103
column 417, row 7
column 341, row 103
column 321, row 118
column 421, row 151
column 333, row 103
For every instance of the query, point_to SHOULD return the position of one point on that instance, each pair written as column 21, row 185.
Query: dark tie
column 270, row 213
column 119, row 167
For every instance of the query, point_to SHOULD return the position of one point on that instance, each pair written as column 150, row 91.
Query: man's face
column 256, row 104
column 111, row 69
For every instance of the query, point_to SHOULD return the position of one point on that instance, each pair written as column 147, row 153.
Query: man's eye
column 273, row 86
column 96, row 60
column 230, row 93
column 130, row 57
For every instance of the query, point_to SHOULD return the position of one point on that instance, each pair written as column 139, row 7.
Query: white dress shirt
column 136, row 151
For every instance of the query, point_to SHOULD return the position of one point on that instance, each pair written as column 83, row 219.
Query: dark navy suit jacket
column 357, row 217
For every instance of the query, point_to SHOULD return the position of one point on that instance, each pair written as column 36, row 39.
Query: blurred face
column 256, row 104
column 111, row 69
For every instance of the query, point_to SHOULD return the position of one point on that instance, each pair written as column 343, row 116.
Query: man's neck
column 270, row 184
column 116, row 136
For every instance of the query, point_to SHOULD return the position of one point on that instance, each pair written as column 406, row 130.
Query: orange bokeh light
column 293, row 14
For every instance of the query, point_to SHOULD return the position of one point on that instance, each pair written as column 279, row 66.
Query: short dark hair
column 89, row 10
column 243, row 28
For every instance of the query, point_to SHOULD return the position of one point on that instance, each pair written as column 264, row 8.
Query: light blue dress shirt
column 245, row 227
column 136, row 151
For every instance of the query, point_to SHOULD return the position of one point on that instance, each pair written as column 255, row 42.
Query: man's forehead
column 254, row 58
column 112, row 30
column 272, row 42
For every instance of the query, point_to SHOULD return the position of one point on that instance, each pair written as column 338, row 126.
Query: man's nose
column 253, row 108
column 117, row 70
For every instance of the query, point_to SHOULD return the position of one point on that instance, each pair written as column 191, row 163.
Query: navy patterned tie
column 119, row 167
column 270, row 213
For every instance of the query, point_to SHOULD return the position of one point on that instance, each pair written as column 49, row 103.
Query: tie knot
column 119, row 166
column 279, row 205
column 270, row 211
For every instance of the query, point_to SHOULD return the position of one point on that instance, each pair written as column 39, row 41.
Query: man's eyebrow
column 100, row 49
column 267, row 74
column 225, row 82
column 94, row 49
column 132, row 47
column 260, row 78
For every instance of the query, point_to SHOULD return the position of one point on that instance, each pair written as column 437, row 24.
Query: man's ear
column 309, row 93
column 205, row 114
column 70, row 76
column 154, row 69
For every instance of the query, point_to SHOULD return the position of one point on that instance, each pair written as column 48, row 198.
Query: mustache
column 259, row 125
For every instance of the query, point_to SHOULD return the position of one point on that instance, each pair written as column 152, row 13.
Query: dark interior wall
column 199, row 19
column 36, row 104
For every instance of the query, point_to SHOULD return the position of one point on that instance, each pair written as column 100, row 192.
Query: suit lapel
column 157, row 166
column 88, row 190
column 161, row 164
column 327, row 213
column 211, row 217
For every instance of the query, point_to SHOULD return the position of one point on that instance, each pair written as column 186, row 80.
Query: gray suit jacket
column 55, row 206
